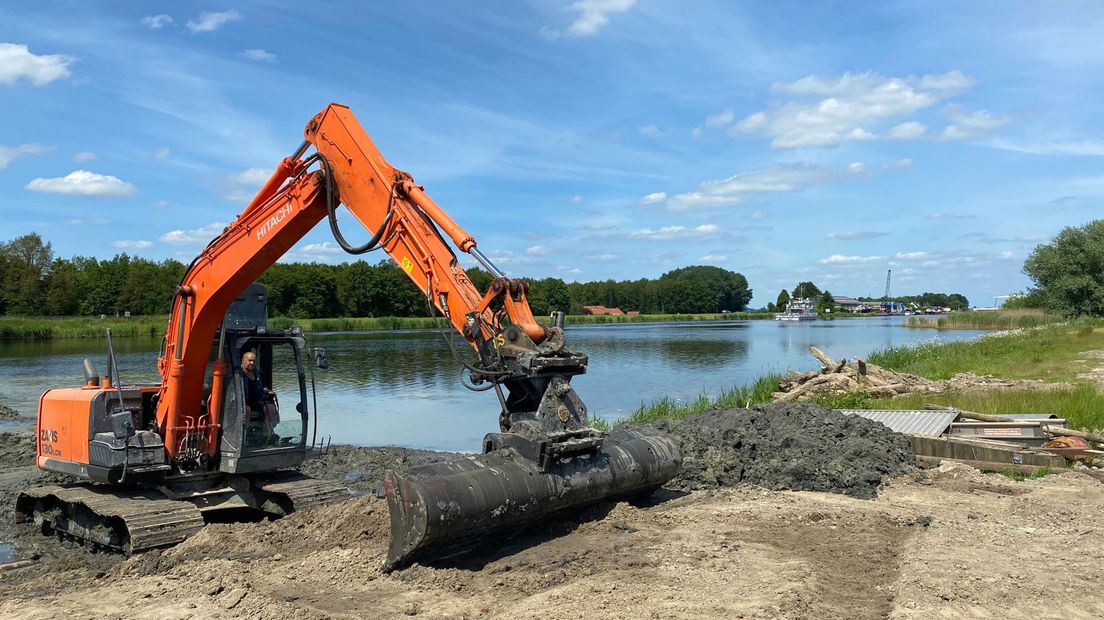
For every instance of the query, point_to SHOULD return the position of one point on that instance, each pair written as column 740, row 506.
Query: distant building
column 849, row 304
column 602, row 310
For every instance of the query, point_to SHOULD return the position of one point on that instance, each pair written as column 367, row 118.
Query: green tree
column 704, row 289
column 27, row 265
column 826, row 303
column 1069, row 271
column 806, row 289
column 782, row 301
column 62, row 291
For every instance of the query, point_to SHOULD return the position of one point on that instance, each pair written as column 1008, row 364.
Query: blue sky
column 586, row 139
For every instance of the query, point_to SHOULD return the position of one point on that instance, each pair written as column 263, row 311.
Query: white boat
column 799, row 309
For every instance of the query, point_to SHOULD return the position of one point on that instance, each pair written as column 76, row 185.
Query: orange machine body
column 69, row 419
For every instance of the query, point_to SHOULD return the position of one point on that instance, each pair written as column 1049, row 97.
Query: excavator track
column 130, row 521
column 294, row 492
column 121, row 520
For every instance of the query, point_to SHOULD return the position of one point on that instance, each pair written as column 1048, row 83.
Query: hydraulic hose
column 331, row 210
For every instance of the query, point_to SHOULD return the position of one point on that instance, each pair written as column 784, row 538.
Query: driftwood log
column 844, row 376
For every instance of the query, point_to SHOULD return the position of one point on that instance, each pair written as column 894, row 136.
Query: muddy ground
column 946, row 542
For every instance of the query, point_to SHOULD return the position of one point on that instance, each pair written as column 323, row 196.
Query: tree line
column 35, row 283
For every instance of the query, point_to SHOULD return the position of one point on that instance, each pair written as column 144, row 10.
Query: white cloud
column 654, row 198
column 1051, row 148
column 17, row 62
column 714, row 258
column 675, row 232
column 948, row 216
column 162, row 204
column 965, row 125
column 855, row 235
column 909, row 130
column 911, row 255
column 84, row 156
column 594, row 15
column 127, row 244
column 157, row 21
column 243, row 186
column 193, row 237
column 759, row 216
column 650, row 130
column 8, row 154
column 99, row 221
column 259, row 55
column 856, row 167
column 576, row 200
column 839, row 259
column 900, row 164
column 733, row 190
column 723, row 119
column 605, row 258
column 83, row 183
column 161, row 153
column 537, row 250
column 696, row 133
column 209, row 21
column 852, row 103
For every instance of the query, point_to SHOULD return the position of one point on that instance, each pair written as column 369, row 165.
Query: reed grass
column 668, row 408
column 998, row 319
column 1082, row 405
column 1051, row 353
column 49, row 328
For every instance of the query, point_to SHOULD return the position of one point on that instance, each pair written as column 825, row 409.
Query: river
column 403, row 387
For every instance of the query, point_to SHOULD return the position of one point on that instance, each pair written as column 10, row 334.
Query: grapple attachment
column 445, row 508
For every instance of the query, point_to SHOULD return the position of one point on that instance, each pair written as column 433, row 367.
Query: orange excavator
column 160, row 460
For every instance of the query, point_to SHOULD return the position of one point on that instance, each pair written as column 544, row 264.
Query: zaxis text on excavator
column 166, row 456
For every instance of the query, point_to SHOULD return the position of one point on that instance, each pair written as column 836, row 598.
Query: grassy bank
column 373, row 324
column 667, row 408
column 998, row 319
column 46, row 328
column 1053, row 353
column 38, row 328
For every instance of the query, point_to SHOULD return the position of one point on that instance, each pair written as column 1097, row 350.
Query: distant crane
column 996, row 297
column 888, row 274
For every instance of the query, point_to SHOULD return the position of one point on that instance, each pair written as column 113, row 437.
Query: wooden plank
column 962, row 449
column 1000, row 467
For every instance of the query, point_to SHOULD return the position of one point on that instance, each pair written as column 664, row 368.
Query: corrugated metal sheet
column 913, row 421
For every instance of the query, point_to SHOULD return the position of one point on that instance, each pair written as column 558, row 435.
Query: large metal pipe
column 445, row 508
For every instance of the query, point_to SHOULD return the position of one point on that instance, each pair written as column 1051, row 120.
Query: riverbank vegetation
column 1054, row 353
column 1000, row 319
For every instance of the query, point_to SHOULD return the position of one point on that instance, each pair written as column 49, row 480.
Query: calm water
column 402, row 388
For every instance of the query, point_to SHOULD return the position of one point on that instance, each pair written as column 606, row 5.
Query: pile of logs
column 845, row 376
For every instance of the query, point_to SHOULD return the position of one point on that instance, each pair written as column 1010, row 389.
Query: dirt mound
column 362, row 468
column 7, row 413
column 803, row 447
column 16, row 450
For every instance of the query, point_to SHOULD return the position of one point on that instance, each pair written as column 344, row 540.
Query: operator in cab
column 260, row 400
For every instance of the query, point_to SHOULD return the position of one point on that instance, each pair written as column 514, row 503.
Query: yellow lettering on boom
column 407, row 264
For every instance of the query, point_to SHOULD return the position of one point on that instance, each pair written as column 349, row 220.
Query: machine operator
column 260, row 400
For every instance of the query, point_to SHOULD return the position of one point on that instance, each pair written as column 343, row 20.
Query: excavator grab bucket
column 446, row 508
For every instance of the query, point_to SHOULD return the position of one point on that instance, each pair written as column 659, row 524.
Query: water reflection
column 403, row 388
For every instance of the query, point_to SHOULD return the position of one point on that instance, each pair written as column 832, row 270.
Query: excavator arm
column 546, row 457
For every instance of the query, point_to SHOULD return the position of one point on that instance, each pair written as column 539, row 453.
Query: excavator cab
column 264, row 426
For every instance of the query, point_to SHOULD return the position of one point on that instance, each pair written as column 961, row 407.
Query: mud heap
column 7, row 413
column 802, row 446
